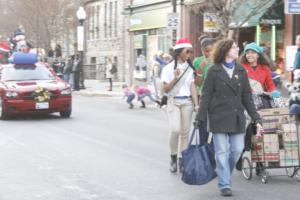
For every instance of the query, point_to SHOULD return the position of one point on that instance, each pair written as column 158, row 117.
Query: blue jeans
column 130, row 98
column 228, row 149
column 67, row 77
column 141, row 97
column 71, row 80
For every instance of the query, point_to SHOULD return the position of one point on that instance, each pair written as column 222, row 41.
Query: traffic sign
column 172, row 21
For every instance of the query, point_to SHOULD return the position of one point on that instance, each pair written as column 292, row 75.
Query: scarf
column 230, row 65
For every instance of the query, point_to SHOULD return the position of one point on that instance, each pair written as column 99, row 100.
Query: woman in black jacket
column 226, row 94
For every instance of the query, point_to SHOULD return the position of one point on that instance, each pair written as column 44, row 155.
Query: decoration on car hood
column 41, row 94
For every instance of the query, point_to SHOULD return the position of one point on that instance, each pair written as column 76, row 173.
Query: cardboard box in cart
column 267, row 149
column 273, row 118
column 279, row 144
column 289, row 136
column 289, row 157
column 274, row 112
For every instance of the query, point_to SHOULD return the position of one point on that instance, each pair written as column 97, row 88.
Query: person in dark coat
column 68, row 70
column 76, row 72
column 226, row 94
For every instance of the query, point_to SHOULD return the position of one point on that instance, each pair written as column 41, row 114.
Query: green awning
column 149, row 19
column 243, row 11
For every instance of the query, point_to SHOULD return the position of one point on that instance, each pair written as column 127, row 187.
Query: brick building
column 105, row 30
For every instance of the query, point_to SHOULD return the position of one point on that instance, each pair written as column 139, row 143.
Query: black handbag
column 198, row 162
column 164, row 100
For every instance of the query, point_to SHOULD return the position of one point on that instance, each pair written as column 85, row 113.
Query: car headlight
column 11, row 94
column 66, row 91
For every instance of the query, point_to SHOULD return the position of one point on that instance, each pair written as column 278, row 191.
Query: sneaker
column 259, row 169
column 173, row 164
column 131, row 106
column 158, row 102
column 226, row 192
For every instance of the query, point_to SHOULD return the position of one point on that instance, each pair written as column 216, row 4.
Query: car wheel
column 66, row 113
column 3, row 115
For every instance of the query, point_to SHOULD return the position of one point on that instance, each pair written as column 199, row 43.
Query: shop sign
column 292, row 6
column 172, row 21
column 271, row 21
column 134, row 22
column 138, row 42
column 210, row 23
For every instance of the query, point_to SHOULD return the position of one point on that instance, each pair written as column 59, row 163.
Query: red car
column 33, row 88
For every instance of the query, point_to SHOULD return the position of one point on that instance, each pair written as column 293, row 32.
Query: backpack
column 114, row 69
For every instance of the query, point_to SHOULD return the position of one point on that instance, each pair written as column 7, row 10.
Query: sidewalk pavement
column 96, row 88
column 100, row 89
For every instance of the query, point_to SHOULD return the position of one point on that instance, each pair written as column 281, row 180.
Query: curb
column 97, row 94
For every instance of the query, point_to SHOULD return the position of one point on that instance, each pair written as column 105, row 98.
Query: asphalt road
column 106, row 152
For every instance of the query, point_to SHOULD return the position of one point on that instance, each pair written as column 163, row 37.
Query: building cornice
column 89, row 2
column 131, row 8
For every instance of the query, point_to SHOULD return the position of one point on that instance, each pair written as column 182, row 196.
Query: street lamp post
column 81, row 15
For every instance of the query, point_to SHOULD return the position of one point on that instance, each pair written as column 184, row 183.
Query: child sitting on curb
column 129, row 94
column 143, row 92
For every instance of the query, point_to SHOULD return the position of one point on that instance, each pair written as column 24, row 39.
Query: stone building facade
column 105, row 30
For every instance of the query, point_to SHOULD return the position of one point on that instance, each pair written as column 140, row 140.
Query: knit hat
column 18, row 31
column 183, row 43
column 253, row 46
column 4, row 46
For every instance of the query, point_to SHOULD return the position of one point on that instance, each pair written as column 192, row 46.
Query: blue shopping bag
column 198, row 161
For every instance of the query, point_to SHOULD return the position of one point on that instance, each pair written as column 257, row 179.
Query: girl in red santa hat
column 178, row 79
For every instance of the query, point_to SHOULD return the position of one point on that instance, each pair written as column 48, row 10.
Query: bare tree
column 43, row 20
column 232, row 14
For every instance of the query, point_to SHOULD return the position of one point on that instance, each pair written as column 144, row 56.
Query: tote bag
column 198, row 162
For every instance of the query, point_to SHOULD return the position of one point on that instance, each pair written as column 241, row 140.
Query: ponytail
column 192, row 66
column 176, row 54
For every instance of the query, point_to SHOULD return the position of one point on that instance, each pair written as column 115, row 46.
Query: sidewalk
column 96, row 88
column 100, row 89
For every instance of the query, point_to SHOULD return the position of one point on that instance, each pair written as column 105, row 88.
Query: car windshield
column 25, row 73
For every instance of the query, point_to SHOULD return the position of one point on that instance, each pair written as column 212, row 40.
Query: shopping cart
column 277, row 147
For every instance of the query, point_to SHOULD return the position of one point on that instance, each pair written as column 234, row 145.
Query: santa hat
column 4, row 46
column 183, row 43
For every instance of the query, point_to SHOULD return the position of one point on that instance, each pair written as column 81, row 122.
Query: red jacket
column 261, row 74
column 142, row 90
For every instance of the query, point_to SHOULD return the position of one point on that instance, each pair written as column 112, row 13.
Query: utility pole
column 174, row 32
